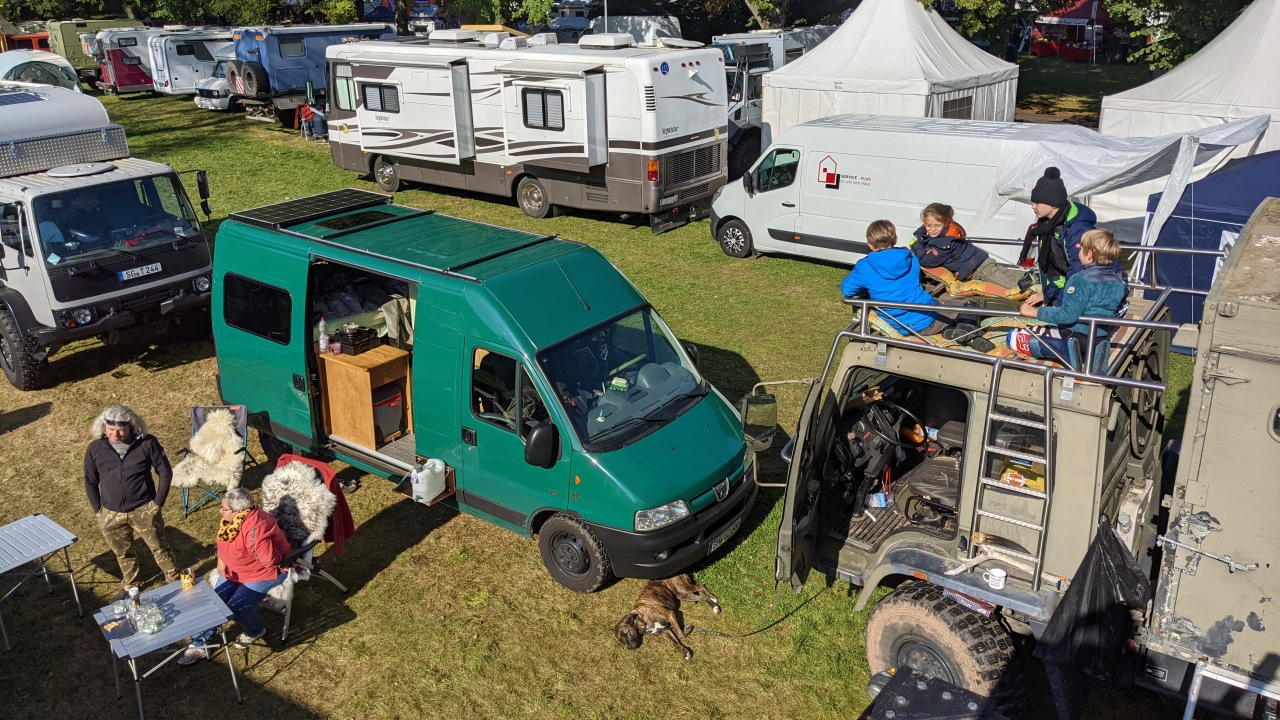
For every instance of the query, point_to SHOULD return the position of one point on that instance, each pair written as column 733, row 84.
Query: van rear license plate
column 724, row 536
column 135, row 273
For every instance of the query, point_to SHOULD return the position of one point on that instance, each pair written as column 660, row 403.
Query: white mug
column 995, row 578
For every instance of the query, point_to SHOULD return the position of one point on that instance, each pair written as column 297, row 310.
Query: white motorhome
column 124, row 60
column 181, row 60
column 533, row 121
column 92, row 241
column 747, row 57
column 821, row 183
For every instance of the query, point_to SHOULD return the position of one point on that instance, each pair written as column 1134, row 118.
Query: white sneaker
column 194, row 652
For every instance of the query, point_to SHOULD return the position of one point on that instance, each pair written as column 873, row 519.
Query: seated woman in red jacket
column 250, row 549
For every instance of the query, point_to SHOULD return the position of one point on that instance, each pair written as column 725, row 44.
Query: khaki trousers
column 118, row 528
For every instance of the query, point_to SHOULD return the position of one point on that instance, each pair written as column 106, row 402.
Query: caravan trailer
column 181, row 60
column 64, row 40
column 532, row 120
column 124, row 60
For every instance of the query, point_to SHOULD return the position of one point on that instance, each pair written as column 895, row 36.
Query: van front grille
column 688, row 166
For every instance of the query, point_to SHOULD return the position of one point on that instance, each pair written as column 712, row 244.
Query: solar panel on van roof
column 293, row 212
column 17, row 97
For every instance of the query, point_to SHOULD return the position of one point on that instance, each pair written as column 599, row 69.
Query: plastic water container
column 429, row 480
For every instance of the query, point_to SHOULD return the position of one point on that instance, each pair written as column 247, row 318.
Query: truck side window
column 10, row 232
column 494, row 392
column 256, row 308
column 292, row 47
column 778, row 170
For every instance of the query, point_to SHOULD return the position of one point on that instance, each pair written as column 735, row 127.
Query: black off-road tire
column 532, row 196
column 255, row 79
column 17, row 354
column 917, row 626
column 735, row 239
column 233, row 75
column 573, row 555
column 386, row 174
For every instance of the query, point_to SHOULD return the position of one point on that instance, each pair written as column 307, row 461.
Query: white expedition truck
column 92, row 241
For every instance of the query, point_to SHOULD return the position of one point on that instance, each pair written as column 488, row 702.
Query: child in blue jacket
column 1097, row 290
column 892, row 274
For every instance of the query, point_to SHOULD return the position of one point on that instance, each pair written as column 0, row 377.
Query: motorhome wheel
column 735, row 239
column 386, row 174
column 573, row 555
column 918, row 626
column 533, row 197
column 17, row 355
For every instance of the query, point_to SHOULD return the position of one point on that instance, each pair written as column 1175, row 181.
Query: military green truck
column 974, row 485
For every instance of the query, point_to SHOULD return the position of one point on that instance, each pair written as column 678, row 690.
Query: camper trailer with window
column 181, row 60
column 530, row 118
column 276, row 67
column 92, row 241
column 64, row 40
column 124, row 60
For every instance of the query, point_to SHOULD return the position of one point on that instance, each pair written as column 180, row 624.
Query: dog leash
column 764, row 623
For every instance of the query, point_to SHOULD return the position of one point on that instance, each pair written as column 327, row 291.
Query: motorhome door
column 554, row 115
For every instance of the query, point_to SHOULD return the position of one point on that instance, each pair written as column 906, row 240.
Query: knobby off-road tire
column 17, row 355
column 573, row 555
column 917, row 626
column 255, row 79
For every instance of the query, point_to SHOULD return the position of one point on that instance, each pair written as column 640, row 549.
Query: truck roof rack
column 314, row 207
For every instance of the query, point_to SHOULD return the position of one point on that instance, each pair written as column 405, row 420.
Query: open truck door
column 797, row 535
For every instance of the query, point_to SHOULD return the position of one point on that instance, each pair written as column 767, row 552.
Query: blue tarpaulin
column 1208, row 217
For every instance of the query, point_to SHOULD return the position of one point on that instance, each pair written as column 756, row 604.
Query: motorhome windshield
column 622, row 379
column 120, row 217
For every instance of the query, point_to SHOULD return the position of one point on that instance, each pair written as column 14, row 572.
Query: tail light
column 653, row 171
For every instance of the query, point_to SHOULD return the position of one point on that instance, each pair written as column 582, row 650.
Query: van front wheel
column 735, row 239
column 573, row 555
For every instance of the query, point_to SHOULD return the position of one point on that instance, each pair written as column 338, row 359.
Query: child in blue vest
column 892, row 274
column 1098, row 289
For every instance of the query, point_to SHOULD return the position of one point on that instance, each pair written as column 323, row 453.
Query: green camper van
column 560, row 402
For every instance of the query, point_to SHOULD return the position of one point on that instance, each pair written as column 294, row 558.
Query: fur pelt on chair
column 301, row 504
column 215, row 457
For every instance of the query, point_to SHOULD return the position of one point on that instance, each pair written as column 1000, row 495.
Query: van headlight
column 719, row 190
column 661, row 516
column 748, row 464
column 201, row 283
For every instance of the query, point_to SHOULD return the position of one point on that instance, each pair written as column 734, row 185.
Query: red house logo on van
column 827, row 174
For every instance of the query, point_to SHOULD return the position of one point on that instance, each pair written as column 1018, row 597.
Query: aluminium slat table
column 32, row 540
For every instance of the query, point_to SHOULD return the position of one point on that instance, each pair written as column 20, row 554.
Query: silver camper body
column 181, row 60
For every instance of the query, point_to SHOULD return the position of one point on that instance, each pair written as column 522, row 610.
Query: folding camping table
column 186, row 613
column 33, row 540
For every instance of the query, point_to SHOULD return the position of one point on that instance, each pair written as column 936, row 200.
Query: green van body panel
column 477, row 286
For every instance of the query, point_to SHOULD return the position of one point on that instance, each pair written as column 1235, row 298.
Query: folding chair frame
column 204, row 494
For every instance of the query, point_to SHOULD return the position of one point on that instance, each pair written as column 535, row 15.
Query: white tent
column 891, row 57
column 1235, row 76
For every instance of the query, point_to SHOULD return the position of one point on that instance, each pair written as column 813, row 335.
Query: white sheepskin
column 215, row 457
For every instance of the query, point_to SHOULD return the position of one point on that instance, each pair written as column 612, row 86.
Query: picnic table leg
column 115, row 672
column 226, row 650
column 75, row 592
column 45, row 570
column 137, row 687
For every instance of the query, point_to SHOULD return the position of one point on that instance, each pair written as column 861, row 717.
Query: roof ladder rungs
column 1014, row 454
column 1012, row 420
column 1012, row 521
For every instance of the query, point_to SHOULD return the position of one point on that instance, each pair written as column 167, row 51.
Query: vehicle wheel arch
column 18, row 309
column 540, row 516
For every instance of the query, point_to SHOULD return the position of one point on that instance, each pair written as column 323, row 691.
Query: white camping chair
column 296, row 496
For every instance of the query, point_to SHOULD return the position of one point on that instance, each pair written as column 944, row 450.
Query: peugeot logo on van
column 722, row 489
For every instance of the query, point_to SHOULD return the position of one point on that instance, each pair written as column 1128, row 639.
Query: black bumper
column 677, row 215
column 671, row 550
column 54, row 338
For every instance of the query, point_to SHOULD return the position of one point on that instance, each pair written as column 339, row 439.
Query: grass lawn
column 1070, row 91
column 446, row 616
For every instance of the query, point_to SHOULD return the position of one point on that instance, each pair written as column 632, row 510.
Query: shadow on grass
column 14, row 419
column 149, row 348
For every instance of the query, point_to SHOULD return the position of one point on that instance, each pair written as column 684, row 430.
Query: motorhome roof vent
column 607, row 41
column 680, row 43
column 81, row 170
column 456, row 36
column 512, row 43
column 540, row 39
column 494, row 39
column 176, row 28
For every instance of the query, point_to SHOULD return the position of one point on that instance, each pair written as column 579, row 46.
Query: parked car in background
column 214, row 92
column 64, row 40
column 38, row 66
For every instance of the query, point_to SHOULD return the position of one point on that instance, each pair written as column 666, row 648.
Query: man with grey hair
column 124, row 498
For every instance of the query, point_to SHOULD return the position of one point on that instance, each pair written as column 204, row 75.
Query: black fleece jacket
column 123, row 484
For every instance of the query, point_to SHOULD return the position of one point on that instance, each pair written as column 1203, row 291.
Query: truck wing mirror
column 541, row 445
column 692, row 351
column 202, row 187
column 759, row 420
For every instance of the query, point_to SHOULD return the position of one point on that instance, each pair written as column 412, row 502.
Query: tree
column 1175, row 29
column 769, row 14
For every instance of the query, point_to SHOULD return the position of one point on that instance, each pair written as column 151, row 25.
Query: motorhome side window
column 778, row 170
column 344, row 88
column 292, row 47
column 494, row 392
column 256, row 308
column 128, row 41
column 543, row 108
column 132, row 61
column 381, row 98
column 184, row 50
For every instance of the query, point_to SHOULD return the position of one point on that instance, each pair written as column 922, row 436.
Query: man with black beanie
column 1060, row 226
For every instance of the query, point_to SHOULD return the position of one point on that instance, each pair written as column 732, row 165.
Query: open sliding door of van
column 554, row 115
column 420, row 111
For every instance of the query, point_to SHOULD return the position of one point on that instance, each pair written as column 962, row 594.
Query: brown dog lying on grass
column 656, row 610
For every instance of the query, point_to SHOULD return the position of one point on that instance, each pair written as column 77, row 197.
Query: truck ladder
column 1204, row 670
column 989, row 450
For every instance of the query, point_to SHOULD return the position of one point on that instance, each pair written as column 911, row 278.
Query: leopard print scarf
column 228, row 529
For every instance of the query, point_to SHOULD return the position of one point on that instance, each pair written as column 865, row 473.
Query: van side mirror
column 759, row 420
column 541, row 445
column 692, row 351
column 747, row 183
column 202, row 187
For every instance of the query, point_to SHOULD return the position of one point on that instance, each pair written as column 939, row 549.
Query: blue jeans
column 243, row 600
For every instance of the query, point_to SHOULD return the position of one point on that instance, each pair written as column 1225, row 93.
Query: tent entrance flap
column 425, row 115
column 555, row 115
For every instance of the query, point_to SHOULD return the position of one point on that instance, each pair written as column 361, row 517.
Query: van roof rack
column 294, row 212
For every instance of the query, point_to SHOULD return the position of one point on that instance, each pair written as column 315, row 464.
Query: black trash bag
column 1089, row 628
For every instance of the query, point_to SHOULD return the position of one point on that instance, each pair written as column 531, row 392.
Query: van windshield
column 622, row 379
column 117, row 218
